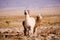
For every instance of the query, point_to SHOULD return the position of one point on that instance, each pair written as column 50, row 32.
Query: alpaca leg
column 31, row 32
column 27, row 33
column 25, row 30
column 34, row 29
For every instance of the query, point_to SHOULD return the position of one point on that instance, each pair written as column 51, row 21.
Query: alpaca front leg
column 27, row 32
column 31, row 32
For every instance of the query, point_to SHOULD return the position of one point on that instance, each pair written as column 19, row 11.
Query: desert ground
column 49, row 29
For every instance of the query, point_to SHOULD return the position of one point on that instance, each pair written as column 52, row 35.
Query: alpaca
column 28, row 23
column 38, row 22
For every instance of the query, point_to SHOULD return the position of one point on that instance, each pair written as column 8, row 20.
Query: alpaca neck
column 27, row 17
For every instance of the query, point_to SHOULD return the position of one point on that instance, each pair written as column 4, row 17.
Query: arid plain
column 12, row 19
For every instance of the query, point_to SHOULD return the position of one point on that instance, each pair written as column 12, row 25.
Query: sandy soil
column 49, row 29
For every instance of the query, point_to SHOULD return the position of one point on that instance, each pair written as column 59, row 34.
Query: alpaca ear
column 39, row 15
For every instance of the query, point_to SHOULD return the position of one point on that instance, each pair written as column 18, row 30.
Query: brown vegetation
column 48, row 30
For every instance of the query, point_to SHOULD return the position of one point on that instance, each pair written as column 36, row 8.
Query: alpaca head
column 26, row 12
column 39, row 16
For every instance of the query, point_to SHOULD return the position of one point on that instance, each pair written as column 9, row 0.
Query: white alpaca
column 28, row 23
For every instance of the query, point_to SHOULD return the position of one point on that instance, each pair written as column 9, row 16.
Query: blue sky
column 4, row 4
